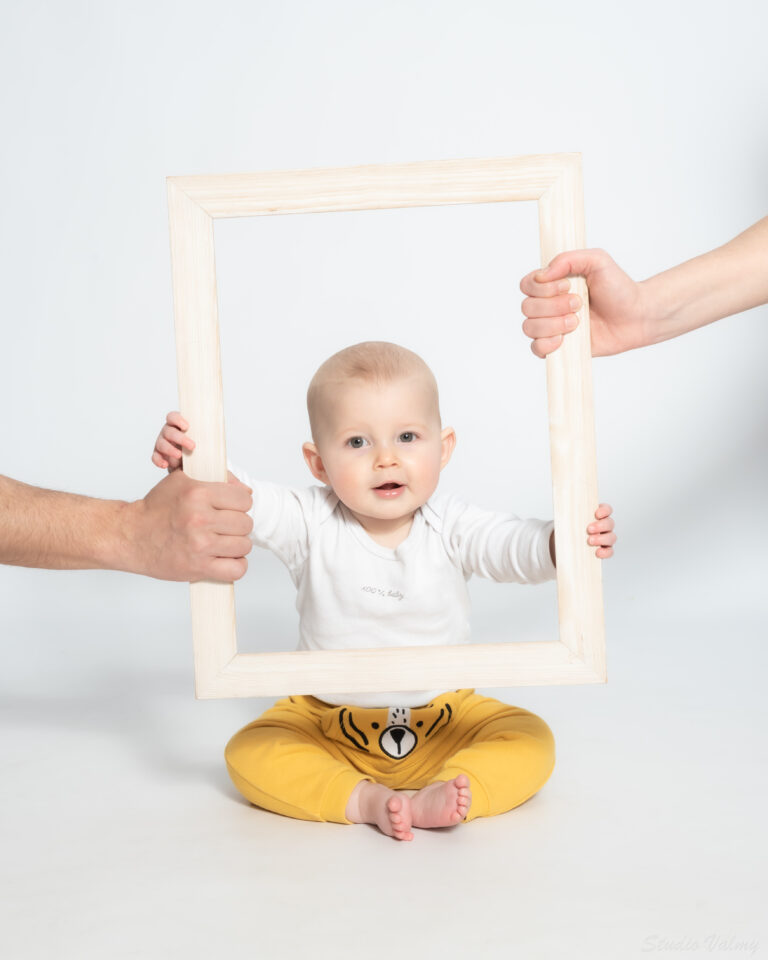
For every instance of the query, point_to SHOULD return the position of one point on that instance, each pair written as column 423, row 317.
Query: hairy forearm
column 717, row 284
column 62, row 531
column 180, row 530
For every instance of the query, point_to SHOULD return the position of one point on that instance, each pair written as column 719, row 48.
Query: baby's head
column 376, row 430
column 367, row 365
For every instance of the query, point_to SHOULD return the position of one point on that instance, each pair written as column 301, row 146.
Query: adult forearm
column 717, row 284
column 60, row 531
column 181, row 530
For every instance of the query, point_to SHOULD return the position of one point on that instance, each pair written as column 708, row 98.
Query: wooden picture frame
column 555, row 182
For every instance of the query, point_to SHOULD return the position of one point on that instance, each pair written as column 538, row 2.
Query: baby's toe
column 402, row 832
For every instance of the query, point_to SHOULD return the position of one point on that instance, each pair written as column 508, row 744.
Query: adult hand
column 617, row 307
column 186, row 529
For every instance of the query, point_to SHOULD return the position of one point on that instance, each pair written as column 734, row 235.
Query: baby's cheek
column 339, row 479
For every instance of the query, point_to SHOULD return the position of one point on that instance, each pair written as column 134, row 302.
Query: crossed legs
column 495, row 760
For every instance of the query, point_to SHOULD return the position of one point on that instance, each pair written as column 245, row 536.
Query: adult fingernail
column 570, row 322
column 574, row 303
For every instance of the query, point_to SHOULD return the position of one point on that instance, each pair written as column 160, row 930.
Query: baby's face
column 382, row 447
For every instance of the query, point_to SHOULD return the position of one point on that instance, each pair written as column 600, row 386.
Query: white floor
column 123, row 838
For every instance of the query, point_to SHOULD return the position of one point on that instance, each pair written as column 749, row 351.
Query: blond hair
column 374, row 361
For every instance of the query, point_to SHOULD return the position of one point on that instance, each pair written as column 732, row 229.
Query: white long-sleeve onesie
column 354, row 593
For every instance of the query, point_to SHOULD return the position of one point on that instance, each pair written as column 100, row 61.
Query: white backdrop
column 668, row 104
column 102, row 102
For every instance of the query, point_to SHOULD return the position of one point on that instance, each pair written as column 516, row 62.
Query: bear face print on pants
column 393, row 732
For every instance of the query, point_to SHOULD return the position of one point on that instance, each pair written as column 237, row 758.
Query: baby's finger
column 159, row 461
column 167, row 450
column 603, row 553
column 175, row 419
column 604, row 510
column 602, row 526
column 602, row 540
column 176, row 437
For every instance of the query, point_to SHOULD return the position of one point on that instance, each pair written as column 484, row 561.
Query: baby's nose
column 386, row 456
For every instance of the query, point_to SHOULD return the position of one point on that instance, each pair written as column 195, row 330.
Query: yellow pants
column 303, row 757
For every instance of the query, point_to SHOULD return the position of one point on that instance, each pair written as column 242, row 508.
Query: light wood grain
column 444, row 668
column 572, row 437
column 373, row 187
column 554, row 180
column 201, row 400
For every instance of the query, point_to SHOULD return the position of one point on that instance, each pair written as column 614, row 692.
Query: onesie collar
column 328, row 503
column 429, row 513
column 432, row 515
column 365, row 540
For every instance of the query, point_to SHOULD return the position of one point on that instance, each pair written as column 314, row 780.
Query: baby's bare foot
column 398, row 817
column 374, row 803
column 442, row 804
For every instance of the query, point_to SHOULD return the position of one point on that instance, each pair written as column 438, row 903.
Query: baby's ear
column 448, row 440
column 314, row 462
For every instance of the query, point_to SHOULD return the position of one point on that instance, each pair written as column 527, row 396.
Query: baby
column 379, row 560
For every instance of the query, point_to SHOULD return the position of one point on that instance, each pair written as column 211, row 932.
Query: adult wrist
column 659, row 308
column 120, row 548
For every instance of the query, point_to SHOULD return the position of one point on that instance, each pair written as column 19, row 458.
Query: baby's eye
column 407, row 437
column 356, row 442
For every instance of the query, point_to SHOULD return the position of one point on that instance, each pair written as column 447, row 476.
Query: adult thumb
column 570, row 263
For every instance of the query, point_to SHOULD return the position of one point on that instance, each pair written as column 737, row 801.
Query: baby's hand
column 601, row 532
column 170, row 441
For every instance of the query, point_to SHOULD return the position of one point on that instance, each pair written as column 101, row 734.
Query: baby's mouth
column 388, row 486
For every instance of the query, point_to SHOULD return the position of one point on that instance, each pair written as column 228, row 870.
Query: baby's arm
column 506, row 548
column 599, row 534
